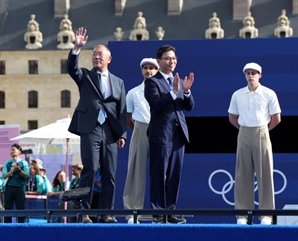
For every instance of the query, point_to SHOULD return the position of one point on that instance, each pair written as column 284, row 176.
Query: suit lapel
column 112, row 84
column 95, row 81
column 162, row 81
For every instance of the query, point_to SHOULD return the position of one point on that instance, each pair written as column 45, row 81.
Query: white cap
column 149, row 61
column 252, row 66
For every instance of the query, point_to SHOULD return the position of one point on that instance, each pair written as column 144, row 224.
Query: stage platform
column 144, row 232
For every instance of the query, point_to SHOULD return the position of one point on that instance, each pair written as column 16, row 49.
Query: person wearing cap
column 35, row 182
column 99, row 119
column 47, row 187
column 138, row 118
column 168, row 97
column 74, row 183
column 254, row 110
column 76, row 171
column 15, row 171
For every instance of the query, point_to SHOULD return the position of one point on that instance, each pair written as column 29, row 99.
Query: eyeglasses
column 252, row 73
column 169, row 58
column 94, row 54
column 151, row 68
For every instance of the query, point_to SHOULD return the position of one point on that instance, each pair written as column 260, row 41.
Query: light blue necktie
column 102, row 113
column 170, row 79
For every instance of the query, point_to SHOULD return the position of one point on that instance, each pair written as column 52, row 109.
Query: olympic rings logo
column 229, row 185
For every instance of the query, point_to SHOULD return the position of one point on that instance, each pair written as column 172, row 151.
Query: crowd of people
column 154, row 111
column 30, row 179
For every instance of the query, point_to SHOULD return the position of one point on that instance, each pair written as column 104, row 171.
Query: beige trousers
column 134, row 190
column 254, row 155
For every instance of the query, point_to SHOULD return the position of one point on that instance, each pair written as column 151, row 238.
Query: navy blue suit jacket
column 164, row 110
column 84, row 119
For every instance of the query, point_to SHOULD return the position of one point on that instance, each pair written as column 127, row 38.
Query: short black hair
column 17, row 146
column 163, row 49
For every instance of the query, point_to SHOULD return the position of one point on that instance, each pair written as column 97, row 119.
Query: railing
column 48, row 213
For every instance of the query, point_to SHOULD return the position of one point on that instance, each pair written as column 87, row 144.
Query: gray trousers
column 134, row 190
column 254, row 155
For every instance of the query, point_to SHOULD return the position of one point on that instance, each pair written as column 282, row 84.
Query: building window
column 32, row 99
column 33, row 67
column 32, row 125
column 2, row 67
column 65, row 98
column 63, row 64
column 2, row 122
column 2, row 99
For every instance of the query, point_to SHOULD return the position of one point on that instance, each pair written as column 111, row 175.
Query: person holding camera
column 15, row 172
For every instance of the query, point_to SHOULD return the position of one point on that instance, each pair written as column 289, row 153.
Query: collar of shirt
column 258, row 90
column 106, row 73
column 166, row 76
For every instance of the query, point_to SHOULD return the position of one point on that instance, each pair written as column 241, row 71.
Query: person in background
column 99, row 119
column 168, row 96
column 16, row 172
column 35, row 182
column 254, row 110
column 46, row 183
column 96, row 193
column 76, row 171
column 138, row 118
column 59, row 185
column 74, row 183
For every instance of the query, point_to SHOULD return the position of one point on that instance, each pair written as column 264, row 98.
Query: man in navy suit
column 99, row 119
column 168, row 96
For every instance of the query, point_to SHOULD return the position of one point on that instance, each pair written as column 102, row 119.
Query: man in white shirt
column 254, row 110
column 138, row 118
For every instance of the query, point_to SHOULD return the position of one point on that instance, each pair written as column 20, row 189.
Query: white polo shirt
column 254, row 108
column 137, row 104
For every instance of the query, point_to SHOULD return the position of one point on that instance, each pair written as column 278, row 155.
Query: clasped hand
column 187, row 83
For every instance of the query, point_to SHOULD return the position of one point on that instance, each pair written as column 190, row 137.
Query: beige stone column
column 295, row 6
column 241, row 8
column 61, row 7
column 175, row 7
column 119, row 7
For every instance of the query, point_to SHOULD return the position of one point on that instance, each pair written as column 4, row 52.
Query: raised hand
column 176, row 83
column 80, row 38
column 187, row 82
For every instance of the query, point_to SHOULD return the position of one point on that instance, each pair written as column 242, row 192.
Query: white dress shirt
column 137, row 104
column 254, row 108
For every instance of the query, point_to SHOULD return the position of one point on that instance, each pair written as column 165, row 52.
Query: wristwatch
column 20, row 170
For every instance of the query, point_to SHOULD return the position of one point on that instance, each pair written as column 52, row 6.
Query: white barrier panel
column 288, row 220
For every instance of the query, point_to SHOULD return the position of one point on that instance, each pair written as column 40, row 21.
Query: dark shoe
column 107, row 219
column 158, row 219
column 173, row 219
column 86, row 219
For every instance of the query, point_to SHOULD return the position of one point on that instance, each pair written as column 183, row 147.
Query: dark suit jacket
column 164, row 110
column 91, row 101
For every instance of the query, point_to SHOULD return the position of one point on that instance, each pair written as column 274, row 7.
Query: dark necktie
column 170, row 79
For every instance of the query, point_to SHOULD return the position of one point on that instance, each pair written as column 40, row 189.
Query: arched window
column 65, row 98
column 32, row 99
column 2, row 99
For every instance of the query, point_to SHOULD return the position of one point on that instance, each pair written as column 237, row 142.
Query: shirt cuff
column 173, row 95
column 75, row 53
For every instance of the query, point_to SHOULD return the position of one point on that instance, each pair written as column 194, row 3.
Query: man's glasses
column 251, row 73
column 151, row 68
column 170, row 58
column 94, row 54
